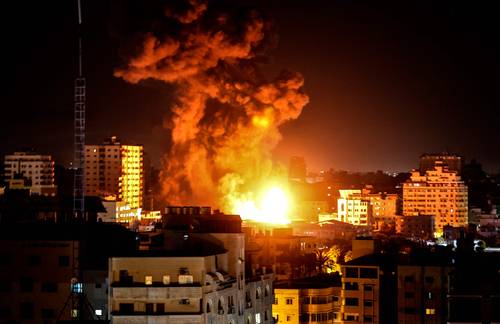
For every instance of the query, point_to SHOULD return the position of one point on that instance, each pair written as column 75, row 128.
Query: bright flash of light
column 272, row 207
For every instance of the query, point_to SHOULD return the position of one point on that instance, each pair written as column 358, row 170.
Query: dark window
column 149, row 308
column 429, row 280
column 26, row 284
column 409, row 295
column 368, row 303
column 160, row 308
column 34, row 260
column 410, row 310
column 5, row 286
column 126, row 308
column 368, row 288
column 48, row 313
column 370, row 273
column 409, row 279
column 351, row 318
column 351, row 302
column 304, row 317
column 63, row 261
column 49, row 287
column 98, row 285
column 368, row 319
column 351, row 286
column 351, row 272
column 27, row 310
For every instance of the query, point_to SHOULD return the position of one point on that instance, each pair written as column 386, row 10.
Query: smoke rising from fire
column 226, row 115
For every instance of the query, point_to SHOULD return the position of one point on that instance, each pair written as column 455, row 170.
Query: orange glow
column 271, row 206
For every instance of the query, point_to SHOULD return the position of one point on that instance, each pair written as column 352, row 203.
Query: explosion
column 226, row 115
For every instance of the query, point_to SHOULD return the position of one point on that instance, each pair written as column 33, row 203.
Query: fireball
column 272, row 206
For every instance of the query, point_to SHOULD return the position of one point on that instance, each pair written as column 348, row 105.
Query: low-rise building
column 307, row 300
column 418, row 226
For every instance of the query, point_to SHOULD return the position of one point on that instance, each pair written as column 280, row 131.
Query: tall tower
column 79, row 132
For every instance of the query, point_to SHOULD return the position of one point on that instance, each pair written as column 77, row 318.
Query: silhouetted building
column 39, row 261
column 428, row 161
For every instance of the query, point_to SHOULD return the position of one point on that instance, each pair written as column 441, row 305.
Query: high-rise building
column 36, row 168
column 452, row 161
column 115, row 171
column 440, row 193
column 354, row 208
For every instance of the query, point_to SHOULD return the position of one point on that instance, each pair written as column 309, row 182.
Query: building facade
column 354, row 208
column 440, row 193
column 307, row 301
column 115, row 171
column 429, row 160
column 37, row 169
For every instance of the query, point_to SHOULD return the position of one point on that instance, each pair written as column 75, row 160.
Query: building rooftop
column 316, row 282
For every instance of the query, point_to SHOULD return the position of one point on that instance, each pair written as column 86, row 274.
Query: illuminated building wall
column 440, row 193
column 306, row 302
column 360, row 293
column 115, row 171
column 38, row 169
column 354, row 208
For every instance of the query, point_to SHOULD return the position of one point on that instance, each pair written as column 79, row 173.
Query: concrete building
column 420, row 226
column 196, row 275
column 115, row 171
column 308, row 300
column 422, row 289
column 429, row 160
column 38, row 262
column 440, row 193
column 37, row 169
column 360, row 293
column 382, row 204
column 354, row 208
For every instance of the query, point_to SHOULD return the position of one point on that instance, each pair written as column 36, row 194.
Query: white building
column 37, row 169
column 353, row 207
column 438, row 192
column 199, row 278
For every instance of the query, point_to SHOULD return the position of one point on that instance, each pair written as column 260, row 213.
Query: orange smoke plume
column 226, row 116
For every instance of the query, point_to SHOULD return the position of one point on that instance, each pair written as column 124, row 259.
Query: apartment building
column 115, row 171
column 196, row 275
column 438, row 192
column 354, row 207
column 308, row 300
column 37, row 169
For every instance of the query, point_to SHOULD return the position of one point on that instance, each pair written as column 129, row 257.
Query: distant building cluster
column 381, row 249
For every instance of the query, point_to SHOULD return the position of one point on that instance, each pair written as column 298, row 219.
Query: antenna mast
column 79, row 132
column 79, row 180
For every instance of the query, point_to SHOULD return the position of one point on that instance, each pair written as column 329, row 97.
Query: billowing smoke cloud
column 226, row 116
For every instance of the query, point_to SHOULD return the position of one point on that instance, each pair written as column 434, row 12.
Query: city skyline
column 425, row 65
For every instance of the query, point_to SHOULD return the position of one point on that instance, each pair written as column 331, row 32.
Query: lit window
column 430, row 311
column 257, row 318
column 166, row 280
column 98, row 312
column 148, row 280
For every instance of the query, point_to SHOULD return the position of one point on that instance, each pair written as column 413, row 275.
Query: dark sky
column 387, row 81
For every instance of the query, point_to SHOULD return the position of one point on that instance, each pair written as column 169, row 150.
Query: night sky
column 387, row 81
